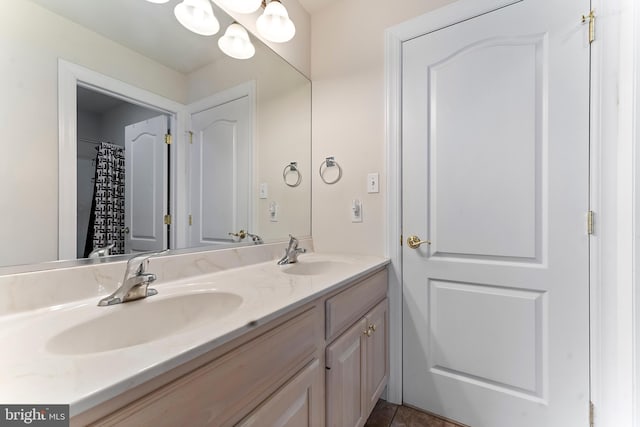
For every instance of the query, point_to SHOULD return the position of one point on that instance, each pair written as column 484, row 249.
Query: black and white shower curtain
column 106, row 224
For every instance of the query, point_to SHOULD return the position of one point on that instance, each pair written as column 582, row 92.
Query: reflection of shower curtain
column 106, row 224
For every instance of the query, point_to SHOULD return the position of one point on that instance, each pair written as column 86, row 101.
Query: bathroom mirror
column 142, row 45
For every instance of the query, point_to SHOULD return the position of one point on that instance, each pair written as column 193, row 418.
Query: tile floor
column 387, row 414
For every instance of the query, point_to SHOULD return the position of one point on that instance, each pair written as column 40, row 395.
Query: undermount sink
column 312, row 268
column 143, row 321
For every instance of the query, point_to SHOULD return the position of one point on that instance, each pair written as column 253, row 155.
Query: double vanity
column 231, row 338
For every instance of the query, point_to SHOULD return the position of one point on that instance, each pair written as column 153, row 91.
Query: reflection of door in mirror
column 221, row 172
column 146, row 195
column 103, row 118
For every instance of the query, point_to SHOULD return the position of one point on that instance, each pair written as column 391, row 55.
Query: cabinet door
column 297, row 404
column 344, row 378
column 377, row 354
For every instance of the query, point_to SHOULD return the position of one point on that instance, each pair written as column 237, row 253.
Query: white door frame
column 69, row 77
column 615, row 255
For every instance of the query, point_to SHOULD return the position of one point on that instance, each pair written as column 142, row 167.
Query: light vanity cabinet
column 276, row 373
column 357, row 362
column 325, row 363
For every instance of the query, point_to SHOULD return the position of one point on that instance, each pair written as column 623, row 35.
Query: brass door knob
column 414, row 242
column 367, row 332
column 240, row 234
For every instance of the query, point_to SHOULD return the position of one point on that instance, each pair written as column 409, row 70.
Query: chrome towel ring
column 290, row 168
column 330, row 162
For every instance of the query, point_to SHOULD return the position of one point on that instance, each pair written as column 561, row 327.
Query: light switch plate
column 264, row 190
column 373, row 183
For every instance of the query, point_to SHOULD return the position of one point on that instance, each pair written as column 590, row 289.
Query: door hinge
column 592, row 25
column 190, row 137
column 590, row 222
column 591, row 417
column 167, row 139
column 167, row 220
column 401, row 240
column 190, row 220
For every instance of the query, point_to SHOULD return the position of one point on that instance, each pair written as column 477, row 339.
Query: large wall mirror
column 89, row 81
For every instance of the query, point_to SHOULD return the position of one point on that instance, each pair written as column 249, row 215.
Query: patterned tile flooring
column 387, row 414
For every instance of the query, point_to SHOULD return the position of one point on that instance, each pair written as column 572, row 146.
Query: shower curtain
column 106, row 223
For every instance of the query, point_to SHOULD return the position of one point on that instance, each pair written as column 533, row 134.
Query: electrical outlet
column 356, row 211
column 273, row 211
column 373, row 183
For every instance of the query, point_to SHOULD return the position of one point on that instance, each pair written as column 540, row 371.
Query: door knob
column 414, row 242
column 126, row 230
column 240, row 234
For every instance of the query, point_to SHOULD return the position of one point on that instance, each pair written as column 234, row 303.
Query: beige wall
column 31, row 41
column 347, row 70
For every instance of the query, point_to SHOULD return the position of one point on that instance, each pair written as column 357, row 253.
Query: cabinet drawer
column 224, row 390
column 348, row 306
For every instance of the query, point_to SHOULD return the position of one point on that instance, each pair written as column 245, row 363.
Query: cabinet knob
column 368, row 332
column 372, row 327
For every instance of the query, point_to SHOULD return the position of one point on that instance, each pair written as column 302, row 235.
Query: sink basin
column 143, row 321
column 312, row 268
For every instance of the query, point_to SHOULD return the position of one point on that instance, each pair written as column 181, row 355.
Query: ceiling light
column 197, row 16
column 241, row 6
column 158, row 1
column 274, row 24
column 236, row 43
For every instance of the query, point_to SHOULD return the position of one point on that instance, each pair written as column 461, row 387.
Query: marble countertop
column 32, row 373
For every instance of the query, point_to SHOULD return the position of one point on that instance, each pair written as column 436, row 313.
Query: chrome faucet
column 136, row 281
column 257, row 240
column 102, row 251
column 292, row 252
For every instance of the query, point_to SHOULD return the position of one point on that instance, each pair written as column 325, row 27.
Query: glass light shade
column 242, row 6
column 236, row 42
column 158, row 1
column 197, row 16
column 274, row 24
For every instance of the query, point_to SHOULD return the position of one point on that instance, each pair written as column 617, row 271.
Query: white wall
column 347, row 70
column 31, row 41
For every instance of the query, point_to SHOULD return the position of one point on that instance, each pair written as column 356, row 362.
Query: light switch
column 264, row 190
column 373, row 185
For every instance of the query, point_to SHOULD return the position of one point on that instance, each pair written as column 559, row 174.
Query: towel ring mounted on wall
column 290, row 168
column 330, row 162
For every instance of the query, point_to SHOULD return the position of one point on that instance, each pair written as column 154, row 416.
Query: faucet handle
column 293, row 241
column 137, row 263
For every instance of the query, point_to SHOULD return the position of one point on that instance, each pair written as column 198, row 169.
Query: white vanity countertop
column 32, row 374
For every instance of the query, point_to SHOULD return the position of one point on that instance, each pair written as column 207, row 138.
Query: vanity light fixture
column 241, row 6
column 236, row 42
column 158, row 1
column 197, row 16
column 274, row 23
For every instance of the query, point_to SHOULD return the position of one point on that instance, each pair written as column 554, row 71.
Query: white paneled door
column 221, row 172
column 146, row 165
column 495, row 122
